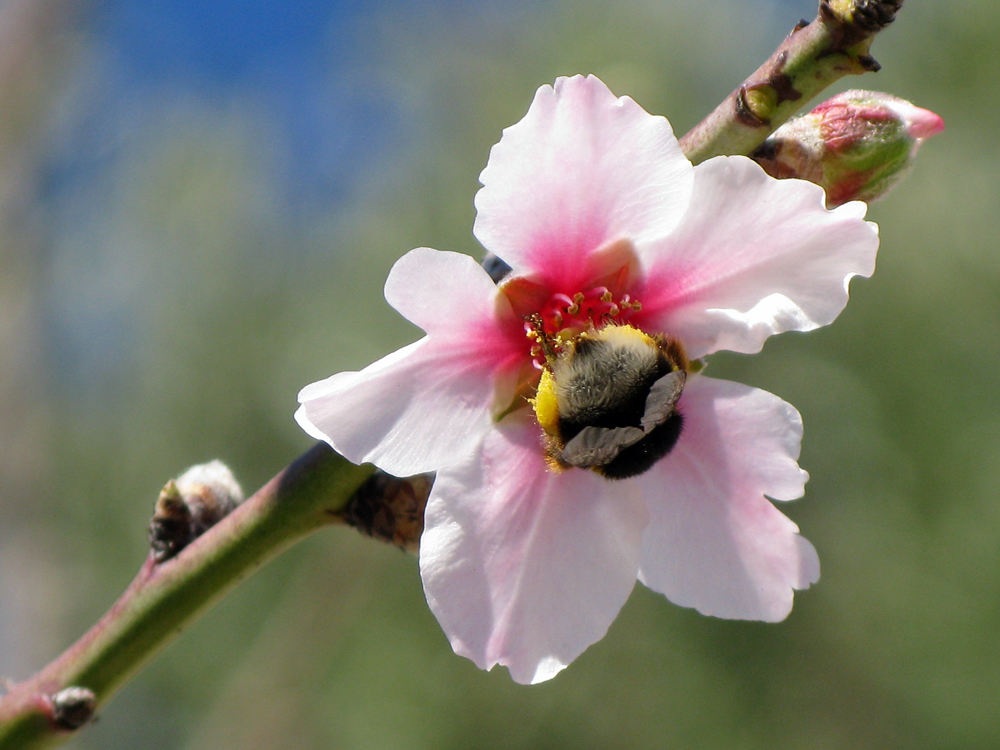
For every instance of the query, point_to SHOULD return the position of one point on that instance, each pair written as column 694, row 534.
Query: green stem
column 164, row 597
column 811, row 58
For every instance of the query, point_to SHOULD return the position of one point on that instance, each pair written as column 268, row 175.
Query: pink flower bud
column 856, row 146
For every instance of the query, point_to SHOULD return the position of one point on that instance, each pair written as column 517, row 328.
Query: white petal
column 714, row 541
column 428, row 404
column 400, row 413
column 522, row 566
column 754, row 256
column 448, row 294
column 580, row 171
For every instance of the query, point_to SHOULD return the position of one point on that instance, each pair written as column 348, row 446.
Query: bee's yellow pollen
column 545, row 405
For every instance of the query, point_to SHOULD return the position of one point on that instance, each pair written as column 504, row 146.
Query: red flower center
column 563, row 318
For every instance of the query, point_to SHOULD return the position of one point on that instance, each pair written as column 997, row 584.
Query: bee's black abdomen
column 640, row 457
column 617, row 392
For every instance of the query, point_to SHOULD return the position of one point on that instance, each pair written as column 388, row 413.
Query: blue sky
column 303, row 71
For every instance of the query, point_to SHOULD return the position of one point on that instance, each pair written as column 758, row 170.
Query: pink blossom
column 589, row 199
column 858, row 145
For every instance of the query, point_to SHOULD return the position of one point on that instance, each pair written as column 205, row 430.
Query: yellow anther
column 613, row 312
column 607, row 297
column 573, row 309
column 578, row 297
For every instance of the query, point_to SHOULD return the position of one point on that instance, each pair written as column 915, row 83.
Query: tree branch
column 164, row 597
column 812, row 57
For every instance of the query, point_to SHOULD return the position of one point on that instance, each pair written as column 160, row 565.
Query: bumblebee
column 607, row 400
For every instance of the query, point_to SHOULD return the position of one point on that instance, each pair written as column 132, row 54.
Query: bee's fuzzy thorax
column 603, row 403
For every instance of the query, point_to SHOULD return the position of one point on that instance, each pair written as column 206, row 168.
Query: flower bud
column 72, row 707
column 856, row 146
column 390, row 509
column 190, row 505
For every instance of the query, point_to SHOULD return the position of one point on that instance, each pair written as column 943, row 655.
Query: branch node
column 73, row 707
column 854, row 22
column 390, row 509
column 869, row 63
column 745, row 107
column 875, row 15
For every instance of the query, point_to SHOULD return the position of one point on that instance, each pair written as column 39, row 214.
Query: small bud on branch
column 73, row 707
column 190, row 505
column 390, row 509
column 856, row 146
column 812, row 57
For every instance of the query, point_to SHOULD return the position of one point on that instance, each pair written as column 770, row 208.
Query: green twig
column 811, row 58
column 165, row 597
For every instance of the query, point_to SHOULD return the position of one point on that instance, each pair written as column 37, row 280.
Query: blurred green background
column 199, row 203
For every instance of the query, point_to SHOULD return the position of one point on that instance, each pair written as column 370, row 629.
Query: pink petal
column 924, row 123
column 581, row 170
column 426, row 405
column 920, row 123
column 754, row 256
column 522, row 566
column 714, row 541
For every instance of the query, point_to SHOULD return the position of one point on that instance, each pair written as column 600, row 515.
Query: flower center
column 608, row 392
column 563, row 318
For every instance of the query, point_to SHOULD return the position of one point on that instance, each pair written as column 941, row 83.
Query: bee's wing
column 598, row 446
column 661, row 403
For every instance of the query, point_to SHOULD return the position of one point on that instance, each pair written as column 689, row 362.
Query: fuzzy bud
column 856, row 146
column 190, row 505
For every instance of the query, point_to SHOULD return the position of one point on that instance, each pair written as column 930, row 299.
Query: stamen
column 584, row 310
column 563, row 318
